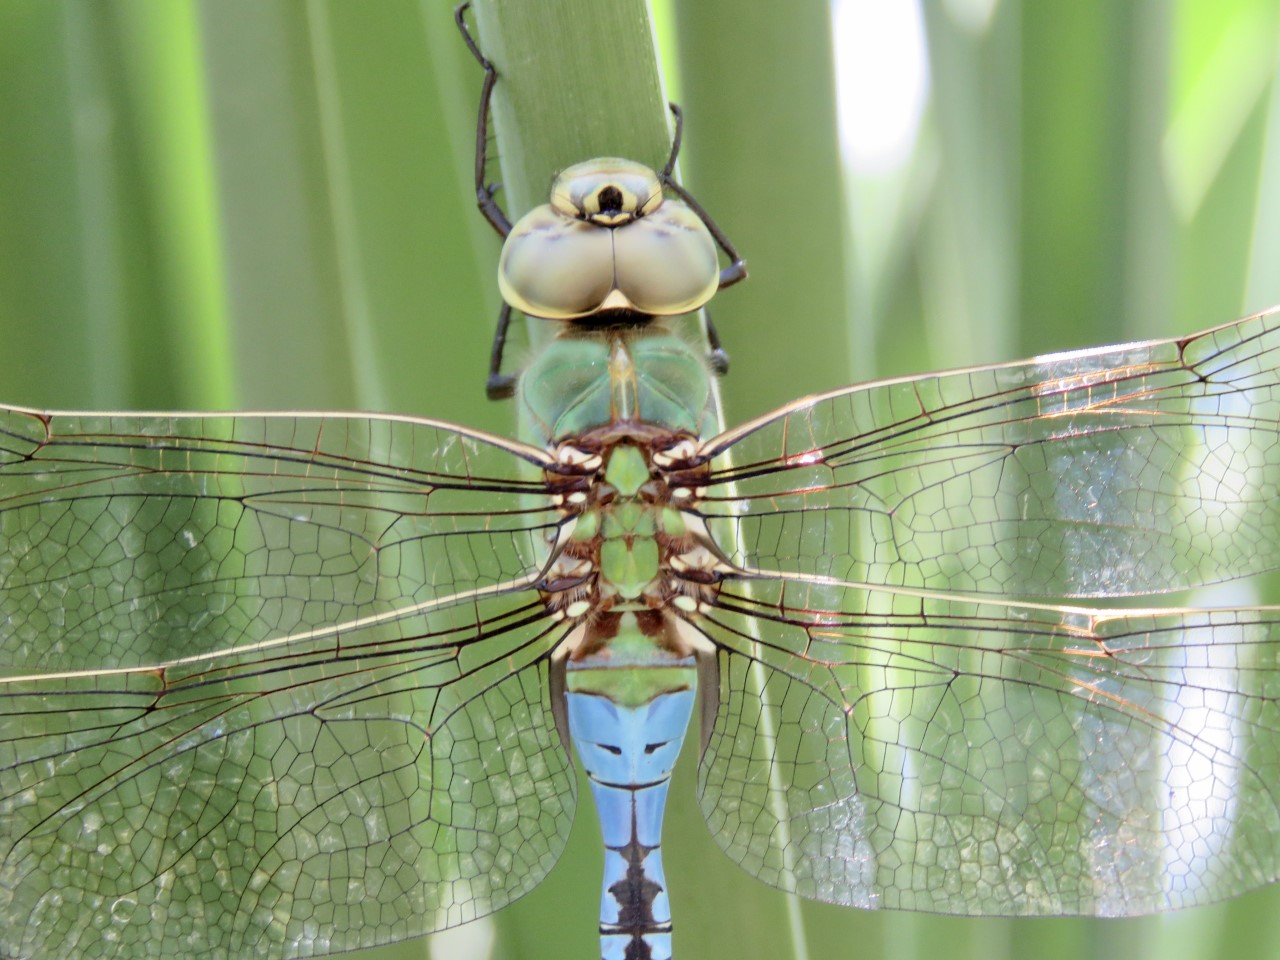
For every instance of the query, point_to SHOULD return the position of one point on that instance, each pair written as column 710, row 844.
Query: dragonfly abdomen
column 628, row 573
column 628, row 722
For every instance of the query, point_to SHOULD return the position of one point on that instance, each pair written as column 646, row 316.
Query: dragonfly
column 289, row 685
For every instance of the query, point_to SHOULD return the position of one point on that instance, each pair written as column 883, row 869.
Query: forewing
column 131, row 540
column 1126, row 470
column 925, row 752
column 270, row 685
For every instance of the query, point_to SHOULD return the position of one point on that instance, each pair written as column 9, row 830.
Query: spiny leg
column 737, row 268
column 717, row 359
column 498, row 386
column 729, row 275
column 484, row 191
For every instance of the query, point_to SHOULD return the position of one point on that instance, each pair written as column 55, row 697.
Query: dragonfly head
column 608, row 243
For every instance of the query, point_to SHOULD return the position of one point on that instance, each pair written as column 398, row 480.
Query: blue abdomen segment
column 629, row 752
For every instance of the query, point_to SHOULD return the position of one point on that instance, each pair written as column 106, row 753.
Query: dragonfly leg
column 484, row 191
column 669, row 170
column 499, row 385
column 729, row 275
column 737, row 268
column 717, row 358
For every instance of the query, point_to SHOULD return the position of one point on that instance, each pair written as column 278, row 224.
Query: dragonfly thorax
column 632, row 540
column 624, row 374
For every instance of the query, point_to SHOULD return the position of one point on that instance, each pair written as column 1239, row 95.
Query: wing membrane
column 1125, row 470
column 929, row 752
column 269, row 684
column 136, row 539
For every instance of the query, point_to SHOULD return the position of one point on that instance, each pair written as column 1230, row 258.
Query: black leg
column 737, row 268
column 717, row 359
column 500, row 386
column 484, row 191
column 669, row 169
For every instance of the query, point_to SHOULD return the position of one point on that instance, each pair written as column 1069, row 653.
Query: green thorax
column 626, row 529
column 630, row 650
column 620, row 393
column 588, row 379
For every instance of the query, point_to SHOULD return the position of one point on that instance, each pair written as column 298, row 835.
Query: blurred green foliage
column 268, row 204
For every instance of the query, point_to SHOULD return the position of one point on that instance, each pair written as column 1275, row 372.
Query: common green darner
column 809, row 464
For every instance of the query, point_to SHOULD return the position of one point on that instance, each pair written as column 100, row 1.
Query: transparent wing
column 892, row 734
column 1132, row 469
column 269, row 685
column 899, row 749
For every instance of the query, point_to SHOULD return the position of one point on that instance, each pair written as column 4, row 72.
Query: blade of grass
column 165, row 83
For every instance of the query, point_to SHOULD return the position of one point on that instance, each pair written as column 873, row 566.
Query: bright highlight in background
column 882, row 81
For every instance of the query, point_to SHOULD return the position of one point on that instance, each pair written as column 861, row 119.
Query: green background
column 267, row 204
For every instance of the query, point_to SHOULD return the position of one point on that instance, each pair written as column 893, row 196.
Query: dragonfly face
column 607, row 242
column 290, row 685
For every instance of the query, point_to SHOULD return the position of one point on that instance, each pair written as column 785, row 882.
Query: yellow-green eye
column 556, row 267
column 608, row 241
column 666, row 264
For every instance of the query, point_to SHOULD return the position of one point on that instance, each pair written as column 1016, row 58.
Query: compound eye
column 555, row 267
column 666, row 264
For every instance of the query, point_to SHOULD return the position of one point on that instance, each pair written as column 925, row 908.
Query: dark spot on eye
column 610, row 199
column 616, row 751
column 651, row 747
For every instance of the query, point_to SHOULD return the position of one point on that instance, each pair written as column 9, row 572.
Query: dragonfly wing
column 135, row 539
column 1132, row 469
column 270, row 685
column 898, row 749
